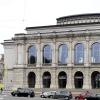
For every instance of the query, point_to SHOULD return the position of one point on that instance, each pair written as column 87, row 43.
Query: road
column 9, row 97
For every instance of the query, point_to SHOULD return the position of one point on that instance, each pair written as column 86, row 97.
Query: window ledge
column 46, row 64
column 62, row 64
column 31, row 64
column 95, row 63
column 78, row 63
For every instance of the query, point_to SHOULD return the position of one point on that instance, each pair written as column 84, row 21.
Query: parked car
column 57, row 94
column 83, row 95
column 23, row 92
column 93, row 97
column 47, row 94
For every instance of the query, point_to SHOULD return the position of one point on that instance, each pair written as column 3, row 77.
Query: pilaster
column 54, row 82
column 39, row 54
column 54, row 54
column 70, row 54
column 86, row 52
column 86, row 79
column 69, row 80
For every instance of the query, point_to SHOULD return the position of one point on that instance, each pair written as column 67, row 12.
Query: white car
column 57, row 95
column 47, row 94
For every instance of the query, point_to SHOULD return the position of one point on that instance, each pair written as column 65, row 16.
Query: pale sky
column 16, row 15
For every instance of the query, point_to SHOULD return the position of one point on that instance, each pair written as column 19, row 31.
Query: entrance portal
column 31, row 80
column 46, row 80
column 95, row 79
column 62, row 80
column 78, row 79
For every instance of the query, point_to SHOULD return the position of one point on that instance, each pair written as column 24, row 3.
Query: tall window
column 63, row 54
column 32, row 56
column 95, row 53
column 47, row 55
column 79, row 54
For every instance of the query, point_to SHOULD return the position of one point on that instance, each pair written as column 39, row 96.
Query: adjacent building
column 65, row 55
column 1, row 68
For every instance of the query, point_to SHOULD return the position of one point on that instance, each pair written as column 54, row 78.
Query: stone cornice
column 61, row 34
column 79, row 19
column 22, row 38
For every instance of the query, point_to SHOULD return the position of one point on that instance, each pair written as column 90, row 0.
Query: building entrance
column 78, row 80
column 95, row 79
column 62, row 80
column 46, row 80
column 31, row 80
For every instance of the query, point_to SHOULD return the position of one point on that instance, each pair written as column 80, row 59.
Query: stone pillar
column 25, row 78
column 21, row 54
column 39, row 54
column 54, row 54
column 86, row 79
column 38, row 79
column 70, row 53
column 54, row 78
column 89, row 81
column 69, row 80
column 72, row 80
column 86, row 53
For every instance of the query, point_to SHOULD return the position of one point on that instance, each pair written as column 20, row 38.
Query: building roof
column 80, row 19
column 80, row 15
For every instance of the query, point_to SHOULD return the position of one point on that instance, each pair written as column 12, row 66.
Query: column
column 54, row 54
column 72, row 79
column 21, row 57
column 86, row 53
column 70, row 53
column 69, row 80
column 39, row 54
column 24, row 54
column 54, row 78
column 86, row 79
column 38, row 79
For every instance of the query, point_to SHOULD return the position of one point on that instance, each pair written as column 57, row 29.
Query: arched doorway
column 31, row 80
column 95, row 79
column 78, row 79
column 62, row 80
column 46, row 80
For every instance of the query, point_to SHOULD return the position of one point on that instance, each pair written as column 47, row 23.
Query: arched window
column 47, row 55
column 32, row 55
column 79, row 54
column 63, row 54
column 95, row 53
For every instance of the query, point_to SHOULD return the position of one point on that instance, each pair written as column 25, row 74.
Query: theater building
column 65, row 55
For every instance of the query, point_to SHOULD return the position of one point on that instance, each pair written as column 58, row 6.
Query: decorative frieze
column 79, row 19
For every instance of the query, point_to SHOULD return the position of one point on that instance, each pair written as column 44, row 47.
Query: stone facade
column 70, row 30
